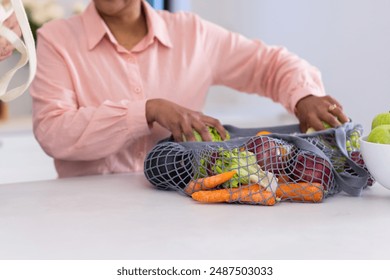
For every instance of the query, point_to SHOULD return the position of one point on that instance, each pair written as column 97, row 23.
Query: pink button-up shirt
column 89, row 93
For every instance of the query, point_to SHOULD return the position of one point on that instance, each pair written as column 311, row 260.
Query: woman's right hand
column 180, row 120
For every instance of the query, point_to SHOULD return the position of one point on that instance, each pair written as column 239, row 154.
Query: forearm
column 286, row 78
column 88, row 133
column 254, row 67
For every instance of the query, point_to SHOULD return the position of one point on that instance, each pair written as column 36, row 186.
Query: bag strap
column 351, row 184
column 27, row 51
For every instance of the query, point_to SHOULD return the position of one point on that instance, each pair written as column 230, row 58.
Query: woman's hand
column 6, row 47
column 180, row 120
column 312, row 110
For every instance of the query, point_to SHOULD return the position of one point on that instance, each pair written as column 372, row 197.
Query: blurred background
column 347, row 40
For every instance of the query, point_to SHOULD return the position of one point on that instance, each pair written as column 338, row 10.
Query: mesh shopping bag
column 284, row 165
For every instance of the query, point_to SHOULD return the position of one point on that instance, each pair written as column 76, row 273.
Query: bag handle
column 27, row 51
column 352, row 184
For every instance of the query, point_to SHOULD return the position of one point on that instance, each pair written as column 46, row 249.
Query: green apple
column 380, row 119
column 380, row 134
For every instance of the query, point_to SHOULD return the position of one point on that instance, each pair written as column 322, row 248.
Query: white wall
column 68, row 4
column 347, row 40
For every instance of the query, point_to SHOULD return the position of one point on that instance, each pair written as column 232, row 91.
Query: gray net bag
column 262, row 169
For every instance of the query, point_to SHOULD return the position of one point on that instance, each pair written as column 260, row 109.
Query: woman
column 121, row 76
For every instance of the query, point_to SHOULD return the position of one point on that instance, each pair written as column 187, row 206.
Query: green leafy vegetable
column 311, row 130
column 215, row 137
column 245, row 163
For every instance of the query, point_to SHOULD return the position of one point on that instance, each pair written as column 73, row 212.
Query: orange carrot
column 309, row 192
column 263, row 132
column 250, row 194
column 254, row 194
column 214, row 196
column 266, row 198
column 210, row 182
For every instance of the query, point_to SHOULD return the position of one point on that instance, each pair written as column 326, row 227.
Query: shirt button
column 130, row 59
column 137, row 89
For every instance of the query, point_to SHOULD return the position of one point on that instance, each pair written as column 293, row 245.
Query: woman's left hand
column 312, row 111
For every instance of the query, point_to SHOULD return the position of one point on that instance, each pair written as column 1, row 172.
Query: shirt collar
column 96, row 28
column 156, row 25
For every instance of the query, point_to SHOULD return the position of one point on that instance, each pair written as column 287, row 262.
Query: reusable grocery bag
column 26, row 49
column 279, row 165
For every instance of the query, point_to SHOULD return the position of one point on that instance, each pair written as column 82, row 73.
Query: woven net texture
column 255, row 167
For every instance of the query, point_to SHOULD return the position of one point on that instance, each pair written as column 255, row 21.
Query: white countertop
column 124, row 217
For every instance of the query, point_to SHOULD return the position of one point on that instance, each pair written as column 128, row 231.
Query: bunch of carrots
column 206, row 190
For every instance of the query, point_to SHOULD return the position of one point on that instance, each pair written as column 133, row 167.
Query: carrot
column 309, row 192
column 210, row 182
column 251, row 194
column 263, row 132
column 255, row 194
column 214, row 196
column 266, row 198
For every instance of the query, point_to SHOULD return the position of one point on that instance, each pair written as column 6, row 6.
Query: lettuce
column 215, row 137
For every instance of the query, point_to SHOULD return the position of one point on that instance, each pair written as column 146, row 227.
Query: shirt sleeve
column 68, row 131
column 254, row 67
